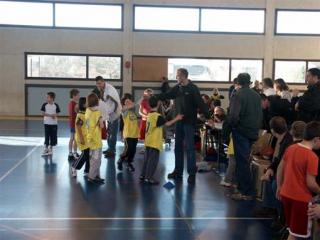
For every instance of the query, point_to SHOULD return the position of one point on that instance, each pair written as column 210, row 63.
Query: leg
column 230, row 173
column 145, row 163
column 153, row 163
column 46, row 135
column 113, row 133
column 242, row 147
column 86, row 154
column 95, row 162
column 54, row 135
column 132, row 145
column 71, row 140
column 178, row 149
column 124, row 154
column 191, row 155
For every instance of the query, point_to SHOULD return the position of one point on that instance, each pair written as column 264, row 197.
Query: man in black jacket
column 245, row 119
column 308, row 106
column 187, row 102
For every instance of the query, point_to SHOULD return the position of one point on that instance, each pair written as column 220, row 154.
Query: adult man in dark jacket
column 187, row 102
column 308, row 106
column 245, row 118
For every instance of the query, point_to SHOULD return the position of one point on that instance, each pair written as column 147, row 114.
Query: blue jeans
column 113, row 128
column 242, row 149
column 185, row 135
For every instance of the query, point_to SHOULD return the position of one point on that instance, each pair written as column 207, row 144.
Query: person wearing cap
column 244, row 120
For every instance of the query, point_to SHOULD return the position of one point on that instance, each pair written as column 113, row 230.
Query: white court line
column 133, row 218
column 18, row 163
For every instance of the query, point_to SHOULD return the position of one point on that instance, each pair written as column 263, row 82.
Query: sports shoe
column 241, row 197
column 142, row 178
column 70, row 157
column 76, row 155
column 130, row 167
column 50, row 152
column 45, row 152
column 225, row 184
column 151, row 181
column 174, row 175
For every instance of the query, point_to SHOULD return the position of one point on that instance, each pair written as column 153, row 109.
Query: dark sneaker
column 99, row 179
column 141, row 178
column 192, row 179
column 119, row 165
column 90, row 180
column 241, row 197
column 151, row 181
column 174, row 175
column 109, row 154
column 71, row 158
column 105, row 152
column 130, row 167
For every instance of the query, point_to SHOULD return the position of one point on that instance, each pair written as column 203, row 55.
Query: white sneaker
column 225, row 184
column 45, row 152
column 50, row 151
column 73, row 172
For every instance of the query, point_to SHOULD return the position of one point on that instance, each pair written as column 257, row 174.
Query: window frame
column 72, row 54
column 191, row 57
column 200, row 20
column 293, row 60
column 277, row 10
column 69, row 28
column 235, row 8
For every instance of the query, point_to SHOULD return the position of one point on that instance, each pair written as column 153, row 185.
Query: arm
column 171, row 94
column 308, row 102
column 234, row 113
column 173, row 121
column 312, row 184
column 100, row 122
column 200, row 103
column 141, row 113
column 79, row 124
column 114, row 101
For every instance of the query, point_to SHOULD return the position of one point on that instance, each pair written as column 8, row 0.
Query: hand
column 314, row 211
column 211, row 123
column 266, row 177
column 179, row 117
column 278, row 193
column 53, row 116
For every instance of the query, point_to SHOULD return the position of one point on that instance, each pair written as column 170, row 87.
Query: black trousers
column 50, row 135
column 84, row 158
column 129, row 149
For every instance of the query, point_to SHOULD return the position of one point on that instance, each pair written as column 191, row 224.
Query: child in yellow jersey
column 94, row 125
column 154, row 140
column 81, row 140
column 130, row 132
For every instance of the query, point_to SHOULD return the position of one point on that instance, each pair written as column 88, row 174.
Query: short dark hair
column 244, row 79
column 278, row 125
column 314, row 72
column 92, row 100
column 311, row 131
column 297, row 129
column 153, row 101
column 235, row 81
column 82, row 104
column 281, row 84
column 74, row 92
column 268, row 82
column 184, row 72
column 125, row 97
column 99, row 78
column 52, row 95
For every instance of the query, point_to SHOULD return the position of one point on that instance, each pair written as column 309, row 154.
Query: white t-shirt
column 112, row 92
column 269, row 92
column 50, row 109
